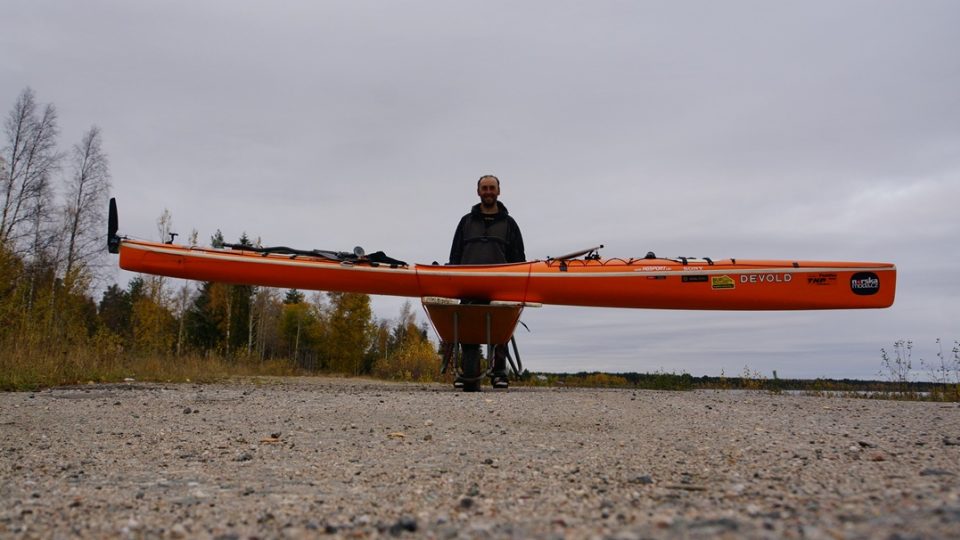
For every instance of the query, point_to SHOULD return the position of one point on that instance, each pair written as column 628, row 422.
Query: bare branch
column 86, row 197
column 32, row 158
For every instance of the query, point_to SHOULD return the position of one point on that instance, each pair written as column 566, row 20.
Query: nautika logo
column 865, row 283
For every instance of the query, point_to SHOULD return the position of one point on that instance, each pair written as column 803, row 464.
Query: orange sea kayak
column 730, row 284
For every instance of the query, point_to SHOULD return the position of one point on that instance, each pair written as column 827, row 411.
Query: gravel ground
column 356, row 458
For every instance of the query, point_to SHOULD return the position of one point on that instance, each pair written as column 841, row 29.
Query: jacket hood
column 476, row 209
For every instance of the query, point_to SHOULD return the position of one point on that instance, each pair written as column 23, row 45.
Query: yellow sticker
column 722, row 282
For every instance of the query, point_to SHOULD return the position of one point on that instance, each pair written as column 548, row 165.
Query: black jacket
column 487, row 238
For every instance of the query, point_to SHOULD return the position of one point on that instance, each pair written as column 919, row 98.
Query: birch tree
column 86, row 193
column 31, row 159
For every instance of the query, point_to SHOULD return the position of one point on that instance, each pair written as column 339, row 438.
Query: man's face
column 488, row 190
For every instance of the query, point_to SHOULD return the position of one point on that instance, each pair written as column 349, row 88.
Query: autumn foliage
column 52, row 333
column 58, row 324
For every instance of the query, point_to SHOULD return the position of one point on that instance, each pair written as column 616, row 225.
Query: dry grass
column 28, row 365
column 29, row 370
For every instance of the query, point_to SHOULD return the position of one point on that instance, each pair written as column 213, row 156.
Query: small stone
column 406, row 523
column 936, row 472
column 466, row 503
column 643, row 480
column 716, row 526
column 948, row 515
column 132, row 525
column 178, row 531
column 266, row 518
column 187, row 410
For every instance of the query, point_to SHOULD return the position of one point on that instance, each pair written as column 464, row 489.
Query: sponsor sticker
column 722, row 282
column 822, row 279
column 865, row 283
column 694, row 279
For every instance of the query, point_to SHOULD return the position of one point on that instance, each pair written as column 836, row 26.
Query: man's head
column 488, row 188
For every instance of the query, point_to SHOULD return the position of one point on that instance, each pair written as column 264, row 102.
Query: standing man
column 488, row 235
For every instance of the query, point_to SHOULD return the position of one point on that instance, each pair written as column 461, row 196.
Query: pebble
column 936, row 472
column 643, row 479
column 404, row 524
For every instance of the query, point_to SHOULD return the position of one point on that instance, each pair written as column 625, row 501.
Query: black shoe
column 458, row 383
column 499, row 381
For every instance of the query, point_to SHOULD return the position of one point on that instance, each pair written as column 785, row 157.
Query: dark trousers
column 499, row 356
column 499, row 350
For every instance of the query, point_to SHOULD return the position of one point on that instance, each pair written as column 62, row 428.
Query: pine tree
column 116, row 310
column 293, row 296
column 240, row 324
column 204, row 320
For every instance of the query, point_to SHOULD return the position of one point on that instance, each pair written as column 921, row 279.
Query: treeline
column 331, row 332
column 938, row 390
column 56, row 328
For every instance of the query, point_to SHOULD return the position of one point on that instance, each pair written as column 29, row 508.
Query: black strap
column 374, row 259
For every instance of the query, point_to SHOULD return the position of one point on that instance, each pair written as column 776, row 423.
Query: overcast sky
column 808, row 130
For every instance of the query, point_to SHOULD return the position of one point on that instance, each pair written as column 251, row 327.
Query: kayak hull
column 627, row 283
